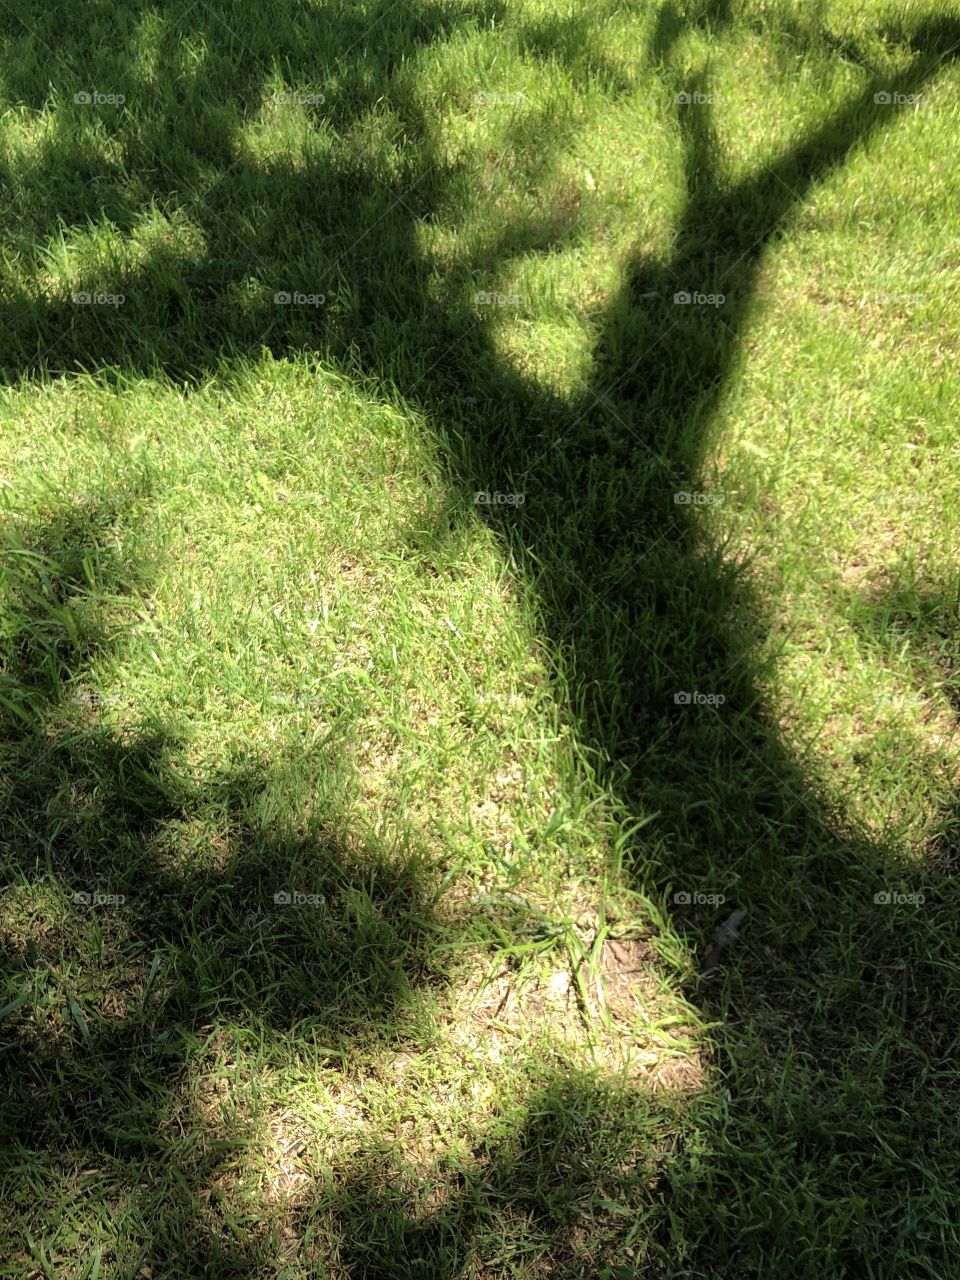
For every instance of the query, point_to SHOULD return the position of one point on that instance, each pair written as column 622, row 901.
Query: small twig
column 723, row 935
column 903, row 994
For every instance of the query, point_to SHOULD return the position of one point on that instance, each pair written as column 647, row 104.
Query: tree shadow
column 643, row 611
column 546, row 1197
column 146, row 913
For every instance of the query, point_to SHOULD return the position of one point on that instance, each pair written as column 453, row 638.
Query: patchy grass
column 421, row 628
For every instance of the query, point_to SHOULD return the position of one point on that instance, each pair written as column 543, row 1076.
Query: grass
column 420, row 631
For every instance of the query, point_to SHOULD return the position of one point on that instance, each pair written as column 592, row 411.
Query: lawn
column 479, row 647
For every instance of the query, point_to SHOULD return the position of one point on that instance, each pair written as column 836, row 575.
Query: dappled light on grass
column 427, row 563
column 236, row 876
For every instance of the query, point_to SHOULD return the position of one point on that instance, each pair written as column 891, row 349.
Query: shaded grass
column 259, row 636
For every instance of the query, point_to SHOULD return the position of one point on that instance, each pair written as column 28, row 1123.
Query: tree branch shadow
column 639, row 607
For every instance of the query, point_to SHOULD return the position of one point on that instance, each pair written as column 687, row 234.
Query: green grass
column 364, row 844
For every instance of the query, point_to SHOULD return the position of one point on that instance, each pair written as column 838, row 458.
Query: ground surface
column 421, row 627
